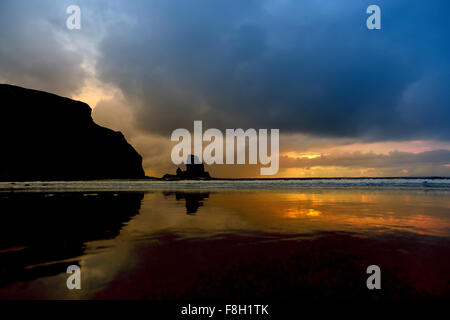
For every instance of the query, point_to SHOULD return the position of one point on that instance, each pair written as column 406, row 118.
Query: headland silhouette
column 47, row 137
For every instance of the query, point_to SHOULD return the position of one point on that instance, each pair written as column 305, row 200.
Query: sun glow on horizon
column 297, row 155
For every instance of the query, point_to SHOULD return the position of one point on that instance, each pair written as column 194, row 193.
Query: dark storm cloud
column 301, row 66
column 32, row 51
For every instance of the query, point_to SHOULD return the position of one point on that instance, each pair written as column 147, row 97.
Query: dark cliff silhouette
column 194, row 171
column 48, row 137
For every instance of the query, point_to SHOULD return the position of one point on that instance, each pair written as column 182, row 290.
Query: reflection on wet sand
column 41, row 232
column 194, row 200
column 265, row 244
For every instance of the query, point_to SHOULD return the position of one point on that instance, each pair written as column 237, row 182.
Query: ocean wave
column 242, row 184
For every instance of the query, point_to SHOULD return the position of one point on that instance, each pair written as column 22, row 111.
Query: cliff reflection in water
column 42, row 233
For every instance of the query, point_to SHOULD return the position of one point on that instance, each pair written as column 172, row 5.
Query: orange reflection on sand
column 296, row 213
column 349, row 210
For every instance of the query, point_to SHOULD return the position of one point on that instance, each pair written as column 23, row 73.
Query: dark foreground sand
column 277, row 267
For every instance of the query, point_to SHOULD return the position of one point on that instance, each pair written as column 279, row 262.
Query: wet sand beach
column 169, row 243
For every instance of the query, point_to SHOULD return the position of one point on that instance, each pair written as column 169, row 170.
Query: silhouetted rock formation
column 194, row 171
column 48, row 137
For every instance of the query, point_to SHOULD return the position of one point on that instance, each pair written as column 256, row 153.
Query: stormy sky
column 348, row 101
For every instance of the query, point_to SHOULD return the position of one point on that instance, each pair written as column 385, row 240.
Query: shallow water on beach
column 185, row 242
